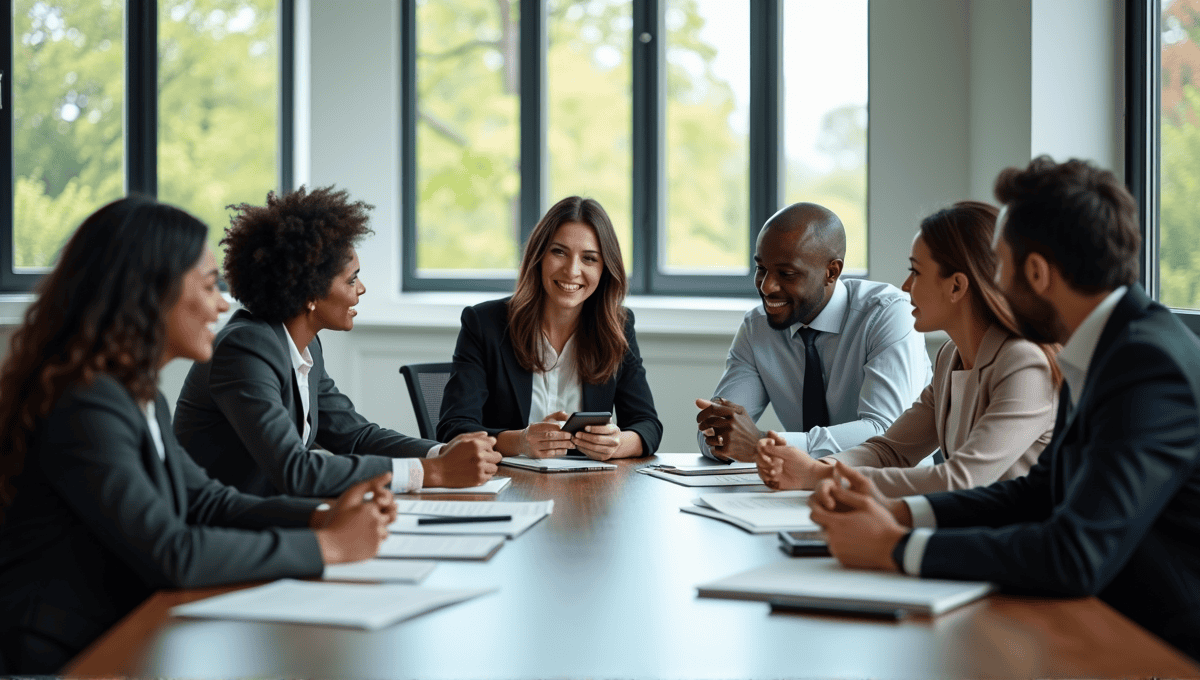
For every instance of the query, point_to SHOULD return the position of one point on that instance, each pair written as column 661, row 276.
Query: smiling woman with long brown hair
column 562, row 343
column 100, row 505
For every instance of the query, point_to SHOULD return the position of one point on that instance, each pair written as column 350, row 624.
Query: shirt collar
column 831, row 318
column 1076, row 355
column 298, row 358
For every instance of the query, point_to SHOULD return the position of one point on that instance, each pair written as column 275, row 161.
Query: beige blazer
column 1005, row 420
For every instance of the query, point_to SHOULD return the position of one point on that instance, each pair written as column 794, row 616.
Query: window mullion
column 533, row 113
column 647, row 140
column 766, row 130
column 141, row 97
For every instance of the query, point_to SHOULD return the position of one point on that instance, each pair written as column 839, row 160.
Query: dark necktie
column 815, row 412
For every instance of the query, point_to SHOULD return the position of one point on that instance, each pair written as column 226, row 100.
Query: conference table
column 606, row 587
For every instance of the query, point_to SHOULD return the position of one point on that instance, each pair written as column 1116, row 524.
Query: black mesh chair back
column 426, row 383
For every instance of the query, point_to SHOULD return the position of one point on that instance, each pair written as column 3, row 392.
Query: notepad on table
column 758, row 513
column 491, row 487
column 440, row 547
column 408, row 571
column 556, row 464
column 524, row 515
column 710, row 469
column 824, row 582
column 737, row 479
column 351, row 605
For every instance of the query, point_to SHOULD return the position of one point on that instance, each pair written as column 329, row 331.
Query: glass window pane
column 825, row 113
column 218, row 102
column 589, row 108
column 68, row 145
column 468, row 109
column 707, row 130
column 1179, row 223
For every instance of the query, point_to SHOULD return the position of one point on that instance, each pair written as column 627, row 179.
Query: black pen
column 884, row 612
column 464, row 519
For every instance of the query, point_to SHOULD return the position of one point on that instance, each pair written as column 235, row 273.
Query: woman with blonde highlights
column 992, row 402
column 562, row 343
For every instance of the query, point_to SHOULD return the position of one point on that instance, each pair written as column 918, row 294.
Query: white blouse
column 557, row 389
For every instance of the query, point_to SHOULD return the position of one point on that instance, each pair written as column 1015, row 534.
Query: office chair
column 426, row 383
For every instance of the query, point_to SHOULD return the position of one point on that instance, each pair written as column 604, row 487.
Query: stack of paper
column 758, row 513
column 336, row 604
column 429, row 547
column 407, row 571
column 490, row 487
column 735, row 479
column 524, row 515
column 823, row 582
column 556, row 464
column 735, row 467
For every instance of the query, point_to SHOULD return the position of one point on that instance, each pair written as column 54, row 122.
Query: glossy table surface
column 605, row 587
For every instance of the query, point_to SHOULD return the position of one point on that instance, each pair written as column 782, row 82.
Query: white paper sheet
column 435, row 547
column 750, row 479
column 711, row 469
column 337, row 604
column 406, row 571
column 763, row 512
column 491, row 487
column 823, row 581
column 524, row 515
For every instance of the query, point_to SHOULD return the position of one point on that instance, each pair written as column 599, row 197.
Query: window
column 689, row 120
column 180, row 99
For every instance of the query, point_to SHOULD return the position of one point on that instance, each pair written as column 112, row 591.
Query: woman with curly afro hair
column 99, row 505
column 254, row 414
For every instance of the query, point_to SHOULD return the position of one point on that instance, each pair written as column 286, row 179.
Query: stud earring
column 312, row 306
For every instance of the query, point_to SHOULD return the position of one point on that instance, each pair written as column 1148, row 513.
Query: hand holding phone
column 580, row 420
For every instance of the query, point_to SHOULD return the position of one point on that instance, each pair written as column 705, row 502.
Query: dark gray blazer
column 240, row 416
column 1112, row 507
column 488, row 390
column 100, row 522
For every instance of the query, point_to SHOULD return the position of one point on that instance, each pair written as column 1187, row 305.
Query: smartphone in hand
column 580, row 420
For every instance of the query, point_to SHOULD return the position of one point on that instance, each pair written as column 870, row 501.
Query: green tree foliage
column 217, row 112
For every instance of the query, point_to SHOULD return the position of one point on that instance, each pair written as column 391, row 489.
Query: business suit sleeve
column 248, row 392
column 910, row 439
column 1020, row 410
column 92, row 453
column 740, row 383
column 632, row 401
column 1140, row 429
column 342, row 430
column 467, row 390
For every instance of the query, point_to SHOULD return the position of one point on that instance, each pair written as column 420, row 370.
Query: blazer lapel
column 520, row 379
column 314, row 387
column 170, row 461
column 290, row 372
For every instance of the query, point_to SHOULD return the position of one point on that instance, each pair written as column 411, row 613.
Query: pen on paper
column 466, row 519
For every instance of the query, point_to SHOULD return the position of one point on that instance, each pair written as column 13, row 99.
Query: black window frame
column 141, row 118
column 648, row 147
column 1143, row 114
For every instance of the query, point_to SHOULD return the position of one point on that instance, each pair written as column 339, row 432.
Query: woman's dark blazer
column 488, row 389
column 240, row 416
column 100, row 522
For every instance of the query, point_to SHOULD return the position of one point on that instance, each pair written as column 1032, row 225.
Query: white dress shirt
column 407, row 473
column 874, row 365
column 1073, row 361
column 558, row 388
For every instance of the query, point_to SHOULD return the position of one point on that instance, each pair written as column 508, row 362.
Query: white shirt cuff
column 797, row 439
column 434, row 451
column 921, row 511
column 914, row 552
column 407, row 475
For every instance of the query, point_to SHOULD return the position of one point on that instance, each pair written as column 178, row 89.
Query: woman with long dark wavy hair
column 992, row 402
column 562, row 343
column 99, row 505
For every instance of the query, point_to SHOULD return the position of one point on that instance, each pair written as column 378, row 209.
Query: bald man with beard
column 858, row 333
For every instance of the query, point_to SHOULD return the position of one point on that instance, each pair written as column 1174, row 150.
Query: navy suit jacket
column 488, row 389
column 100, row 522
column 1112, row 507
column 240, row 416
